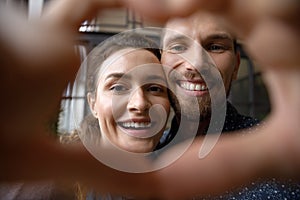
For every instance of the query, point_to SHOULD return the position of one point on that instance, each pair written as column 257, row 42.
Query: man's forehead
column 171, row 36
column 199, row 24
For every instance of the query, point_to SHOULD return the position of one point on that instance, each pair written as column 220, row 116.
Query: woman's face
column 131, row 101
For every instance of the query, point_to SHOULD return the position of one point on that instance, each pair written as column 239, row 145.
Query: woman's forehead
column 134, row 62
column 129, row 57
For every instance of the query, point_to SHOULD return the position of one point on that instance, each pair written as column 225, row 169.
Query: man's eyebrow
column 174, row 37
column 180, row 37
column 222, row 36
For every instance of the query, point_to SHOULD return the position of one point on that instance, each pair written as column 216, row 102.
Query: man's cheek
column 169, row 60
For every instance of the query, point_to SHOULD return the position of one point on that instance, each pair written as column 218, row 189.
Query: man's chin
column 193, row 109
column 197, row 117
column 194, row 114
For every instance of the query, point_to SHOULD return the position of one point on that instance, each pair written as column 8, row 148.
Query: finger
column 162, row 10
column 274, row 44
column 71, row 13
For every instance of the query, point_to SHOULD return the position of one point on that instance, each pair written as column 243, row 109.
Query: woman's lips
column 140, row 129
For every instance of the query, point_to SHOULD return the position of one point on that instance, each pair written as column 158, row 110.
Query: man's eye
column 177, row 48
column 217, row 48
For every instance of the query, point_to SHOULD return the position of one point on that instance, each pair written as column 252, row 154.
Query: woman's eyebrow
column 118, row 75
column 156, row 77
column 149, row 78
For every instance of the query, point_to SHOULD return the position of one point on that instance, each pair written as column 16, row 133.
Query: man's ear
column 92, row 100
column 237, row 65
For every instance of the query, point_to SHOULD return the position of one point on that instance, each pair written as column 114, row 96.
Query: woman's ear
column 92, row 100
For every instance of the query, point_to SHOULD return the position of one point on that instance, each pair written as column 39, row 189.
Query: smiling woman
column 127, row 95
column 129, row 83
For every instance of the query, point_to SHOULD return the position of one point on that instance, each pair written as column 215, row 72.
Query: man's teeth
column 193, row 86
column 136, row 124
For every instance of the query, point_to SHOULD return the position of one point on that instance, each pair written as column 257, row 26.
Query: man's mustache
column 208, row 76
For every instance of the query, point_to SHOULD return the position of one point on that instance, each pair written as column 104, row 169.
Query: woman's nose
column 138, row 101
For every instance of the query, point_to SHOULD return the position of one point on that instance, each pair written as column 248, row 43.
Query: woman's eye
column 156, row 89
column 118, row 88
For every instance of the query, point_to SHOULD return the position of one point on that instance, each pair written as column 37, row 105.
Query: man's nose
column 138, row 102
column 197, row 58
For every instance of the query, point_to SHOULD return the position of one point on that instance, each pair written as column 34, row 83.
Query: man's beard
column 192, row 108
column 196, row 108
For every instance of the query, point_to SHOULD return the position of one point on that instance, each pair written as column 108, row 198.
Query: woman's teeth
column 136, row 124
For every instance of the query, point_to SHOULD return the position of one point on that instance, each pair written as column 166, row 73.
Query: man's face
column 196, row 48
